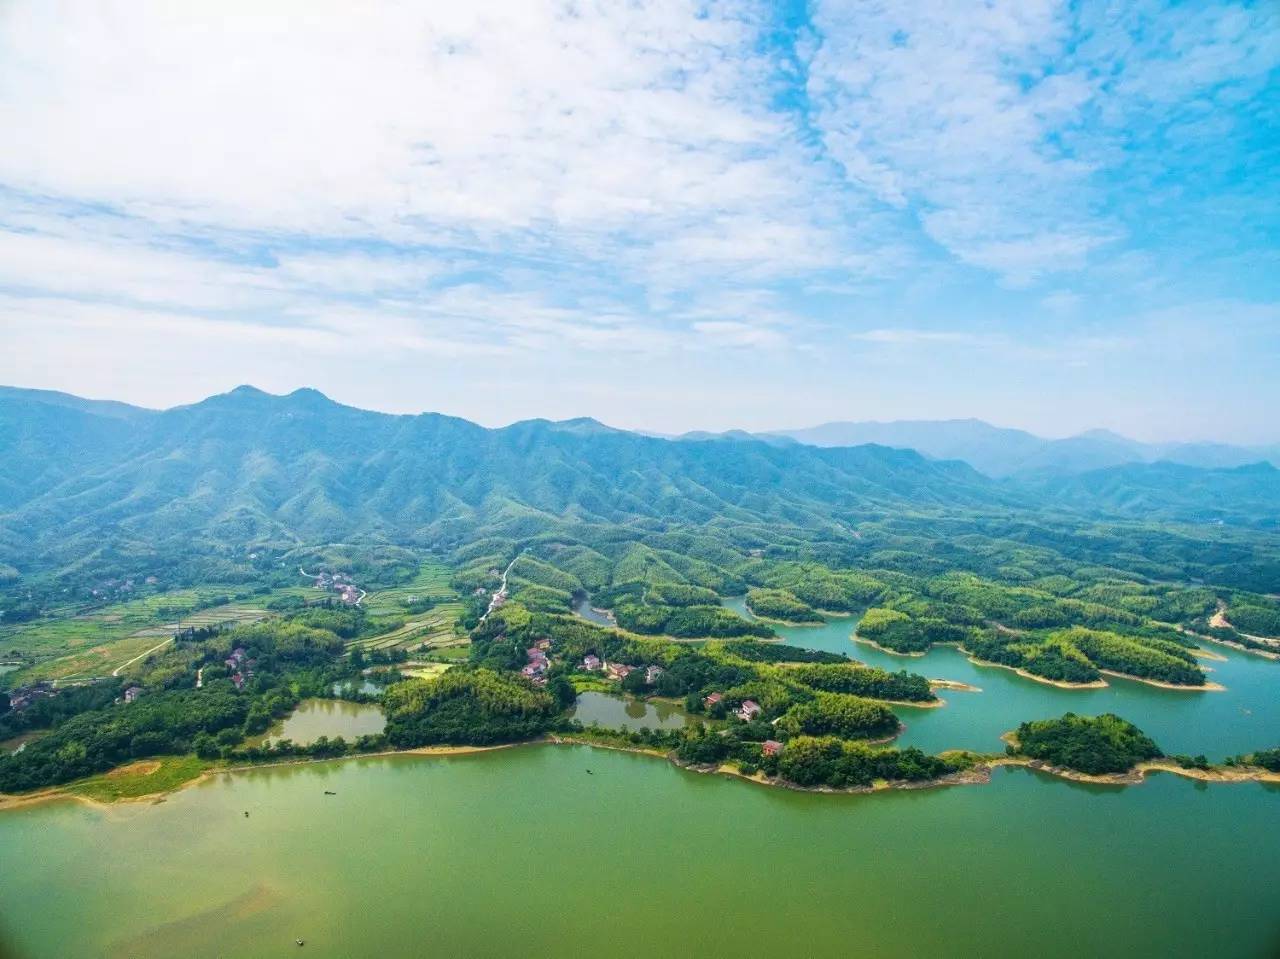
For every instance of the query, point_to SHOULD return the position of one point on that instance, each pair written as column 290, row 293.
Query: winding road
column 501, row 595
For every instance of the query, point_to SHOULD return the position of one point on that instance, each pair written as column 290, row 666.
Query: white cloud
column 997, row 123
column 469, row 121
column 656, row 183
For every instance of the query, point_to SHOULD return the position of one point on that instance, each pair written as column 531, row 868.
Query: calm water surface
column 584, row 610
column 326, row 717
column 1243, row 718
column 617, row 712
column 518, row 852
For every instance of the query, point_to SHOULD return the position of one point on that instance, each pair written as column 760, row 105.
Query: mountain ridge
column 1004, row 451
column 247, row 467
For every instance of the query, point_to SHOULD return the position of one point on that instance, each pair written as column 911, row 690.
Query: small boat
column 330, row 792
column 299, row 942
column 246, row 814
column 589, row 773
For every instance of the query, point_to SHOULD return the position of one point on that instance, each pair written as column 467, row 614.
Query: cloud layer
column 730, row 189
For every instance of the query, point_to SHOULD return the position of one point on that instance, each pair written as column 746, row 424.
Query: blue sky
column 667, row 215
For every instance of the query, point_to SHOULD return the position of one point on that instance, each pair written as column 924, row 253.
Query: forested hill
column 247, row 467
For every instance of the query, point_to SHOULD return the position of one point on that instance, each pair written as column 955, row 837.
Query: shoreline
column 1208, row 687
column 954, row 684
column 890, row 652
column 65, row 792
column 936, row 703
column 1264, row 653
column 756, row 617
column 979, row 773
column 1059, row 683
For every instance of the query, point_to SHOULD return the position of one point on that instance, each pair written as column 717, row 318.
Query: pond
column 585, row 611
column 324, row 717
column 616, row 712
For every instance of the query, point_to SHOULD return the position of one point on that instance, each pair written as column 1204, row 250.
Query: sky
column 667, row 215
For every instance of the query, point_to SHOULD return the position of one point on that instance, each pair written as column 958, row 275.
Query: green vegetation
column 685, row 621
column 475, row 707
column 1105, row 744
column 277, row 662
column 827, row 761
column 781, row 605
column 893, row 630
column 1062, row 584
column 758, row 652
column 864, row 681
column 838, row 714
column 143, row 778
column 1256, row 616
column 1268, row 759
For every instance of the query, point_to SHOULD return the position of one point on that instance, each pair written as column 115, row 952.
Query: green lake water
column 1244, row 717
column 519, row 852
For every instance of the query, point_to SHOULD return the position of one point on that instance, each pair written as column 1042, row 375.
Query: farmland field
column 435, row 626
column 83, row 645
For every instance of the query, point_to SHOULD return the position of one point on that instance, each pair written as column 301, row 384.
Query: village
column 539, row 663
column 339, row 583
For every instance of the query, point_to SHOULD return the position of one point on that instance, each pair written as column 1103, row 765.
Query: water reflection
column 616, row 712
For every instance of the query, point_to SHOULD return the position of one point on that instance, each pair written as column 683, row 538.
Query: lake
column 1245, row 717
column 616, row 712
column 325, row 717
column 518, row 851
column 460, row 855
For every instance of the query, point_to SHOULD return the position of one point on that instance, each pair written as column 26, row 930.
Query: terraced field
column 432, row 582
column 435, row 626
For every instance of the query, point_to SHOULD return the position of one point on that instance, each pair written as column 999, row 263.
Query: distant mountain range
column 80, row 476
column 999, row 452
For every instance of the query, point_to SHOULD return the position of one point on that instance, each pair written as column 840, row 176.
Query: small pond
column 616, row 712
column 325, row 717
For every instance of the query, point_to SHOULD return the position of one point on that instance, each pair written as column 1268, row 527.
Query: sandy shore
column 1096, row 684
column 886, row 650
column 931, row 704
column 1139, row 773
column 1264, row 653
column 774, row 621
column 954, row 684
column 1208, row 687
